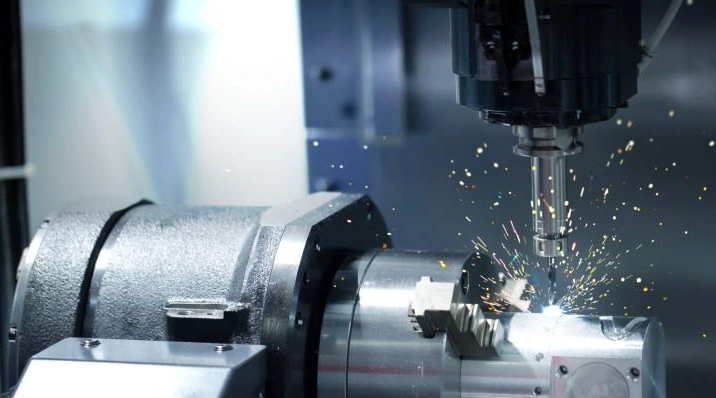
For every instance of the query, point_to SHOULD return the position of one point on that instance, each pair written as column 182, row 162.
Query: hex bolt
column 89, row 343
column 223, row 347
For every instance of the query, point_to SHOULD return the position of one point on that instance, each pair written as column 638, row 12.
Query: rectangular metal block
column 134, row 368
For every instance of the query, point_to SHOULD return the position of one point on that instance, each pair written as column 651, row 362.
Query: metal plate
column 132, row 368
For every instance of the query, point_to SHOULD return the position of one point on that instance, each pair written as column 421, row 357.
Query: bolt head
column 89, row 343
column 223, row 347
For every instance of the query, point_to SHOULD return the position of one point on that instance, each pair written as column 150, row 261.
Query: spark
column 552, row 310
column 515, row 231
column 629, row 146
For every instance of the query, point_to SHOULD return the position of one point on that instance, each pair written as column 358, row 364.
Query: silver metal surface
column 89, row 343
column 572, row 356
column 306, row 280
column 369, row 350
column 317, row 232
column 49, row 287
column 514, row 291
column 130, row 368
column 368, row 346
column 547, row 148
column 17, row 172
column 161, row 254
column 174, row 273
column 440, row 307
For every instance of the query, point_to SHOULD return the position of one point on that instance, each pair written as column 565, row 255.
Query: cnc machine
column 308, row 299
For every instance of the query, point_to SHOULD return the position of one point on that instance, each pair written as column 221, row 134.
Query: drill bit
column 552, row 276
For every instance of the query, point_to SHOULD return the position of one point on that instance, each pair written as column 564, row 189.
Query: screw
column 538, row 391
column 634, row 372
column 563, row 370
column 89, row 343
column 223, row 347
column 12, row 333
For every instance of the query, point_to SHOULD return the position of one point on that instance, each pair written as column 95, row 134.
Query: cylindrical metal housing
column 548, row 196
column 549, row 213
column 369, row 347
column 222, row 275
column 547, row 148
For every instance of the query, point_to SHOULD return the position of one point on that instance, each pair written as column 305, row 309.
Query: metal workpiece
column 368, row 345
column 572, row 356
column 369, row 348
column 132, row 368
column 440, row 307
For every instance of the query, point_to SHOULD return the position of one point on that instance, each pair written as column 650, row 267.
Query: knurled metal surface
column 160, row 254
column 47, row 310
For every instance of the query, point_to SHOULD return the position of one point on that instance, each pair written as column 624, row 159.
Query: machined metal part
column 247, row 275
column 516, row 293
column 368, row 349
column 438, row 307
column 132, row 368
column 572, row 356
column 368, row 345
